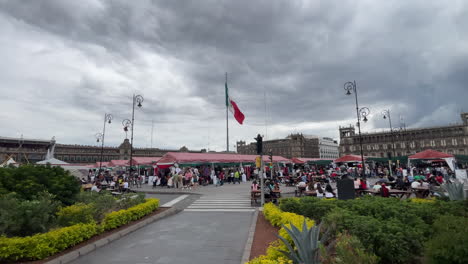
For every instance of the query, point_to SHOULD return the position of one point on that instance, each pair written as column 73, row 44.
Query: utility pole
column 152, row 127
column 259, row 140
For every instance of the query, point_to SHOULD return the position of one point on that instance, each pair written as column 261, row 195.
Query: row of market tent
column 221, row 159
column 425, row 156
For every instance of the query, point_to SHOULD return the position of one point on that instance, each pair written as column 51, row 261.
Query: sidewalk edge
column 75, row 254
column 248, row 245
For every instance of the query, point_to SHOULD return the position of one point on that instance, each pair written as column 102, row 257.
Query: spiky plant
column 455, row 191
column 306, row 242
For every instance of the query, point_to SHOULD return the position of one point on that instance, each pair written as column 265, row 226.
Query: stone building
column 452, row 139
column 34, row 150
column 294, row 145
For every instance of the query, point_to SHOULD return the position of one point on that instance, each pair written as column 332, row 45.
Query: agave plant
column 306, row 242
column 455, row 191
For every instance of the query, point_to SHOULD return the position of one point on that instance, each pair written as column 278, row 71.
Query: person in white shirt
column 377, row 186
column 415, row 184
column 125, row 186
column 329, row 193
column 95, row 188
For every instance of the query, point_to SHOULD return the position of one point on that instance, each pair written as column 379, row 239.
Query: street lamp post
column 137, row 100
column 360, row 112
column 107, row 119
column 386, row 113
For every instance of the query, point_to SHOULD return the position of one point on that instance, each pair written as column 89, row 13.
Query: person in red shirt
column 221, row 178
column 384, row 191
column 363, row 185
column 439, row 179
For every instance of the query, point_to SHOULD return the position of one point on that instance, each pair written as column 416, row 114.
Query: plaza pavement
column 213, row 228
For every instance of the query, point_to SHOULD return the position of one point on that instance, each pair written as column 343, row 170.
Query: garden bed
column 97, row 237
column 265, row 233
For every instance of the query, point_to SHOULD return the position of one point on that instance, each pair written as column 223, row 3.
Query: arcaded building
column 33, row 150
column 452, row 139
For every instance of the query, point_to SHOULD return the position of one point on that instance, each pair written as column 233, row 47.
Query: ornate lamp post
column 100, row 136
column 386, row 114
column 137, row 100
column 363, row 112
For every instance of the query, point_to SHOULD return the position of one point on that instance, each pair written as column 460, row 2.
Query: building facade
column 34, row 150
column 294, row 145
column 452, row 139
column 328, row 148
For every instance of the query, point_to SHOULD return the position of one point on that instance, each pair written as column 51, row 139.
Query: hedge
column 43, row 245
column 396, row 231
column 40, row 246
column 276, row 217
column 122, row 217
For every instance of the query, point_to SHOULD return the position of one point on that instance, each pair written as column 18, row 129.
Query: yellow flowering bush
column 40, row 246
column 43, row 245
column 277, row 217
column 421, row 200
column 122, row 217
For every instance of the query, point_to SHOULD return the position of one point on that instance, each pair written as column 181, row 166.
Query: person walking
column 221, row 178
column 237, row 177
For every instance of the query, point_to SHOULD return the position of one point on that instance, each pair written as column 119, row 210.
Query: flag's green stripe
column 227, row 103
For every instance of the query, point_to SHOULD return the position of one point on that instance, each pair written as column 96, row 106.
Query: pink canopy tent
column 118, row 163
column 305, row 160
column 188, row 158
column 104, row 164
column 430, row 154
column 145, row 160
column 348, row 158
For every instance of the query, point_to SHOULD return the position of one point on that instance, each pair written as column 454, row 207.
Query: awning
column 145, row 160
column 348, row 158
column 430, row 154
column 118, row 163
column 208, row 158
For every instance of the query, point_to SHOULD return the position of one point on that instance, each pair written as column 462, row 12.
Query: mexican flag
column 238, row 115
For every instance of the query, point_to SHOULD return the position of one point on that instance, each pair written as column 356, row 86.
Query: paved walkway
column 199, row 234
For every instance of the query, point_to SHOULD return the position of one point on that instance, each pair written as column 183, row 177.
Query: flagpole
column 227, row 117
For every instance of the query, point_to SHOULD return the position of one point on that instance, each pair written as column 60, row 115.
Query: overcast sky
column 63, row 64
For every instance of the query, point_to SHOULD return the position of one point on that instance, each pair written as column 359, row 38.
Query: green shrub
column 27, row 217
column 122, row 217
column 102, row 202
column 292, row 205
column 392, row 240
column 450, row 241
column 75, row 214
column 43, row 245
column 349, row 250
column 29, row 180
column 130, row 199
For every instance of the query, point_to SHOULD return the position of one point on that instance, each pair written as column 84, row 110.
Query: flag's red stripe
column 238, row 115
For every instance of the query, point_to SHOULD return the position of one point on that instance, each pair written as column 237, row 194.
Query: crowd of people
column 192, row 177
column 306, row 179
column 118, row 181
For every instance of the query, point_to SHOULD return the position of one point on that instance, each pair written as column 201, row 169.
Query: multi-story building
column 452, row 139
column 33, row 150
column 328, row 148
column 294, row 145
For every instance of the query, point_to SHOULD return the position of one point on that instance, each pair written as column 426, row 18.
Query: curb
column 156, row 192
column 248, row 244
column 73, row 255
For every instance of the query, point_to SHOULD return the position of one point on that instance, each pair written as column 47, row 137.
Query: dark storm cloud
column 406, row 56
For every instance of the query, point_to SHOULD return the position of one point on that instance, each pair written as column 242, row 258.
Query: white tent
column 8, row 162
column 52, row 161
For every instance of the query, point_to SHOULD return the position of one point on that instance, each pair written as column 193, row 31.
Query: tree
column 29, row 180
